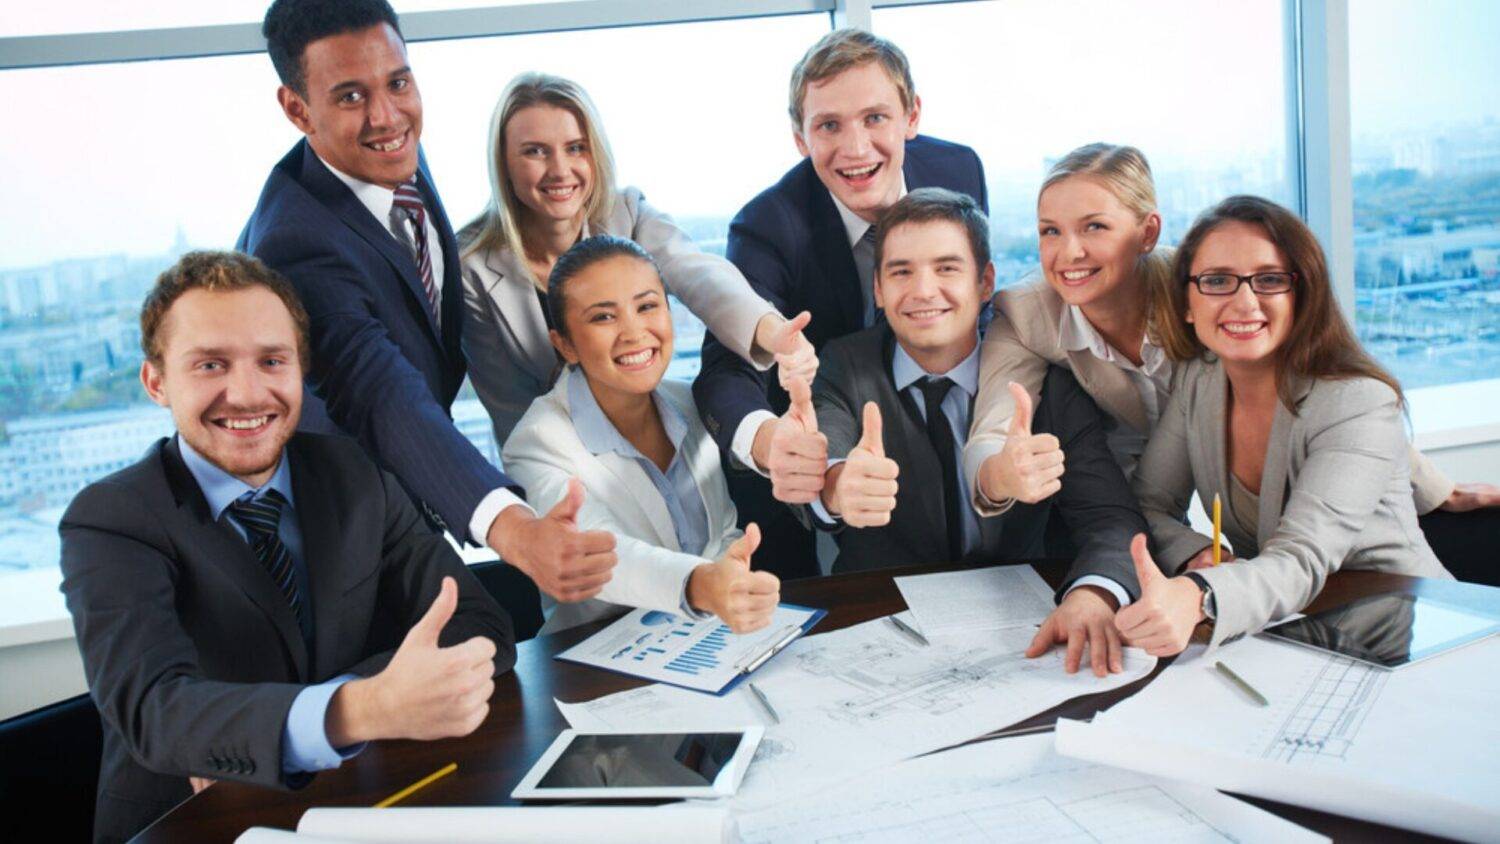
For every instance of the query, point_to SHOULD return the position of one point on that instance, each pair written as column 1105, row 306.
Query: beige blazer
column 545, row 451
column 1335, row 493
column 1023, row 339
column 511, row 361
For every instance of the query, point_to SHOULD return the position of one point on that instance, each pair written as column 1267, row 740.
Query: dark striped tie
column 260, row 519
column 409, row 200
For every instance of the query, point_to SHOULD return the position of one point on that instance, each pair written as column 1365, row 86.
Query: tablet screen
column 642, row 761
column 1389, row 630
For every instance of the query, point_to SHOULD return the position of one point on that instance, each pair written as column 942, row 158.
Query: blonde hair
column 1124, row 172
column 499, row 224
column 840, row 50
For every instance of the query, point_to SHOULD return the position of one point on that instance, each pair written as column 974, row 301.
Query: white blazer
column 511, row 361
column 545, row 451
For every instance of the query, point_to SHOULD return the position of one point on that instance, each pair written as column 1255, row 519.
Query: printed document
column 980, row 599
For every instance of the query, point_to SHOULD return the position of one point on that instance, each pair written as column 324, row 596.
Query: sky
column 115, row 158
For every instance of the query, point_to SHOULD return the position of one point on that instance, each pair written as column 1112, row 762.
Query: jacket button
column 250, row 766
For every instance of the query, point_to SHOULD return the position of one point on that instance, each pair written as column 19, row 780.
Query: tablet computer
column 635, row 765
column 1389, row 631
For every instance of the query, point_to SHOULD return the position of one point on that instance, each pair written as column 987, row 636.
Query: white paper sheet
column 980, row 599
column 522, row 824
column 1414, row 747
column 862, row 698
column 666, row 648
column 1015, row 790
column 268, row 835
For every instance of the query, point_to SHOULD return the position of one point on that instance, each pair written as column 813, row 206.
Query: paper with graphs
column 978, row 599
column 862, row 698
column 1015, row 790
column 1412, row 748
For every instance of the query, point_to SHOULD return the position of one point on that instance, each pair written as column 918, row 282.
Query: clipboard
column 700, row 655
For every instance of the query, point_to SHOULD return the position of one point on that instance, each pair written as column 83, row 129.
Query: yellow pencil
column 417, row 786
column 1218, row 522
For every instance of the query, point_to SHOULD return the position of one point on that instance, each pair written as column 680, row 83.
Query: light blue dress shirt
column 304, row 739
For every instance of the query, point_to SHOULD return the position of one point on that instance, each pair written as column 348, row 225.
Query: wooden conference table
column 523, row 720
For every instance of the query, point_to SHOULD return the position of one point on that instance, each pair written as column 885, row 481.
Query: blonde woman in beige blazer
column 1276, row 409
column 552, row 185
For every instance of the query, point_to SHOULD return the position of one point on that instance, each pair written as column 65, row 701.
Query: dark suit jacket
column 790, row 243
column 385, row 372
column 1095, row 501
column 193, row 655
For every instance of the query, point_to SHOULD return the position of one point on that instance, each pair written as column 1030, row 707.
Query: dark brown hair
column 1320, row 343
column 932, row 205
column 216, row 272
column 579, row 257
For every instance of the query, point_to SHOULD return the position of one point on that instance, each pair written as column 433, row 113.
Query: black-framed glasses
column 1228, row 284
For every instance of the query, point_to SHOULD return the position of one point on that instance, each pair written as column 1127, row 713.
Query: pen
column 909, row 630
column 792, row 632
column 765, row 702
column 1240, row 682
column 1218, row 522
column 418, row 785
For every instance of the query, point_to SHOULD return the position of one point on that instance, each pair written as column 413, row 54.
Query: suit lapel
column 1111, row 387
column 520, row 311
column 1274, row 480
column 920, row 461
column 830, row 243
column 324, row 554
column 702, row 458
column 223, row 547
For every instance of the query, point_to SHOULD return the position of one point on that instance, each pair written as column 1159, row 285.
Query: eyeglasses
column 1228, row 284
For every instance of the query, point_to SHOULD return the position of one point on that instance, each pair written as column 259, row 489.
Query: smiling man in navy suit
column 806, row 244
column 352, row 217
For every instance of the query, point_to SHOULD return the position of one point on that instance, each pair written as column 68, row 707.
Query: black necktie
column 940, row 432
column 260, row 518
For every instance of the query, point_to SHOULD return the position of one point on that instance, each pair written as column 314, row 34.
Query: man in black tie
column 254, row 603
column 895, row 402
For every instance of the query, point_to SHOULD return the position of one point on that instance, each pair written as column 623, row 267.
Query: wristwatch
column 1209, row 606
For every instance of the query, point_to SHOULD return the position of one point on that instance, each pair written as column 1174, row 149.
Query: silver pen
column 1239, row 683
column 765, row 703
column 908, row 630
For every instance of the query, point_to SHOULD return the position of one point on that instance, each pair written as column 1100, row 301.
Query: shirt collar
column 599, row 435
column 907, row 372
column 1076, row 334
column 377, row 199
column 855, row 226
column 222, row 489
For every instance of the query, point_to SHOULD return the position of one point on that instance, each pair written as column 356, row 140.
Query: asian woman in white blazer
column 634, row 444
column 551, row 185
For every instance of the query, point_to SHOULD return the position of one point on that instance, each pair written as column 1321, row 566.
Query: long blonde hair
column 499, row 225
column 1124, row 172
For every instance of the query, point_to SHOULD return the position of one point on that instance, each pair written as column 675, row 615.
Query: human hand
column 1085, row 617
column 1030, row 466
column 795, row 356
column 742, row 599
column 1471, row 496
column 1163, row 618
column 200, row 783
column 796, row 455
column 569, row 564
column 862, row 489
column 1205, row 559
column 425, row 692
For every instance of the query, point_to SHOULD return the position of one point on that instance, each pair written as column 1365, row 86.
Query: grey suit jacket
column 511, row 361
column 1095, row 501
column 192, row 654
column 1335, row 493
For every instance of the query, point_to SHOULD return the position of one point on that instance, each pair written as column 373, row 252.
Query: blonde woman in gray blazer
column 552, row 184
column 631, row 449
column 1277, row 410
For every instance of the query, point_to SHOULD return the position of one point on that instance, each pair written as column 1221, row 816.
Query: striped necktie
column 409, row 200
column 260, row 518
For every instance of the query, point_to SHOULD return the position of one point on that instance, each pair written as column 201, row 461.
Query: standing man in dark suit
column 351, row 216
column 805, row 245
column 240, row 594
column 895, row 402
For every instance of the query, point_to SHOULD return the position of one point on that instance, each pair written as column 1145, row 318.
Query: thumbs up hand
column 743, row 599
column 425, row 692
column 795, row 356
column 1163, row 618
column 797, row 455
column 1030, row 466
column 862, row 489
column 567, row 563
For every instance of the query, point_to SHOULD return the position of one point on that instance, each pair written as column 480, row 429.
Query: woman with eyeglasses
column 1276, row 409
column 551, row 185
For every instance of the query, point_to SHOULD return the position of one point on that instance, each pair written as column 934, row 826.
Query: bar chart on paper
column 703, row 655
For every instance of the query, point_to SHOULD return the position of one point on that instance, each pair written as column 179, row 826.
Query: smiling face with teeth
column 229, row 373
column 549, row 163
column 618, row 329
column 361, row 111
column 931, row 290
column 1243, row 329
column 854, row 131
column 1090, row 244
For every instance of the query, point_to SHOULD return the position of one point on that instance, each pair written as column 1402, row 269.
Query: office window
column 1425, row 123
column 1198, row 87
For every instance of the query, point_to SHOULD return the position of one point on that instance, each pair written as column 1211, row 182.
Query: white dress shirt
column 1152, row 380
